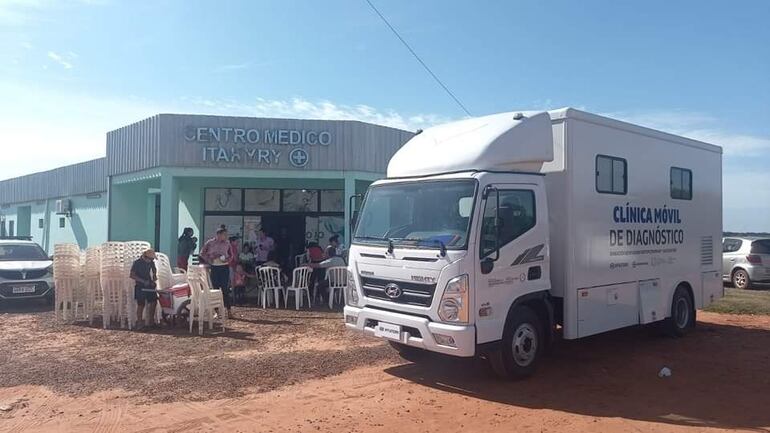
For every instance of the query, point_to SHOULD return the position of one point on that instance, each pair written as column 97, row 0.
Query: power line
column 440, row 83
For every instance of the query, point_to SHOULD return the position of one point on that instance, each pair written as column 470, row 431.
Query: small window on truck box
column 611, row 177
column 681, row 183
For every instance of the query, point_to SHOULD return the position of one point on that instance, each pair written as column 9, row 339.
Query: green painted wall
column 86, row 226
column 130, row 212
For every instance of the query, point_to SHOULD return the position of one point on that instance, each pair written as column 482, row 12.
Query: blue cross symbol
column 298, row 157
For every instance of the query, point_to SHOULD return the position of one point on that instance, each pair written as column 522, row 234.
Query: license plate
column 388, row 330
column 23, row 289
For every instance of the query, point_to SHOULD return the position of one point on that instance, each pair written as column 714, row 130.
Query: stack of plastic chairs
column 338, row 281
column 79, row 310
column 92, row 283
column 112, row 276
column 66, row 275
column 205, row 301
column 166, row 276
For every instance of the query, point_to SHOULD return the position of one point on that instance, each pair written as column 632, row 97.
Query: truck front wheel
column 521, row 347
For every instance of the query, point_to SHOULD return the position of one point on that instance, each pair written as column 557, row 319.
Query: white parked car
column 26, row 271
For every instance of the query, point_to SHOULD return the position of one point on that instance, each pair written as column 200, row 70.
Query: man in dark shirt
column 145, row 274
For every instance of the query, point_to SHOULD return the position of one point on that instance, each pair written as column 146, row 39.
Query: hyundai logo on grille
column 392, row 291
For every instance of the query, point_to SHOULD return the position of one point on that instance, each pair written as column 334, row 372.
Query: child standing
column 240, row 279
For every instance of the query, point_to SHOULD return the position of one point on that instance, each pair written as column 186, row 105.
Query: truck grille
column 18, row 275
column 411, row 293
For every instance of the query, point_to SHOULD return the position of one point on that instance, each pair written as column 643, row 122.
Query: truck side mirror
column 487, row 265
column 353, row 212
column 498, row 223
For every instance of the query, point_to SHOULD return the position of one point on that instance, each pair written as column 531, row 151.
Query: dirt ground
column 288, row 371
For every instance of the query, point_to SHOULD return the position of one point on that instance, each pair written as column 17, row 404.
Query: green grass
column 738, row 301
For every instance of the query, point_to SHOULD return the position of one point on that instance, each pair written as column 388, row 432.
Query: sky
column 71, row 70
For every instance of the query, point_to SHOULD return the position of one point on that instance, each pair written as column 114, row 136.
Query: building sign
column 256, row 146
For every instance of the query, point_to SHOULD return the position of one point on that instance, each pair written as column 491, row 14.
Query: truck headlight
column 454, row 303
column 351, row 292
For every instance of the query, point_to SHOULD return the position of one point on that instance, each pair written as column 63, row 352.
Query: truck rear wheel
column 682, row 314
column 521, row 347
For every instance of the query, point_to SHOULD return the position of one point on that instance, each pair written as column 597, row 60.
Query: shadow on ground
column 720, row 378
column 260, row 351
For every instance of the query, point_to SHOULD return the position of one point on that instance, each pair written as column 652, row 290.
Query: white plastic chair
column 270, row 277
column 300, row 259
column 299, row 286
column 204, row 300
column 338, row 281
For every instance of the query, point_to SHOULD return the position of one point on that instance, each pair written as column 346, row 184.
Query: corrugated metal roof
column 77, row 179
column 161, row 141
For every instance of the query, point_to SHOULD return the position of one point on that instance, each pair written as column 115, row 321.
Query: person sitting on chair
column 322, row 286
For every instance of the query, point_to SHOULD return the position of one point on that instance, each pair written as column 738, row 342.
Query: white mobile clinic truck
column 491, row 233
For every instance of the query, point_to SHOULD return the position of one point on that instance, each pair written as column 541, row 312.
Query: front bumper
column 43, row 288
column 415, row 331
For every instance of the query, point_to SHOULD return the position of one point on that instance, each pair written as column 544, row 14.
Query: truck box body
column 611, row 253
column 601, row 221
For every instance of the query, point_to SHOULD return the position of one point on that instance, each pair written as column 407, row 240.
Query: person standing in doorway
column 186, row 246
column 216, row 253
column 265, row 244
column 145, row 275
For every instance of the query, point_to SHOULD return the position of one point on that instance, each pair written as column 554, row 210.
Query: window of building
column 681, row 183
column 300, row 200
column 332, row 200
column 731, row 245
column 62, row 222
column 40, row 223
column 517, row 216
column 11, row 228
column 611, row 175
column 223, row 199
column 262, row 200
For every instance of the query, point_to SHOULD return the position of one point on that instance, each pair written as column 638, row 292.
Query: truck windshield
column 434, row 214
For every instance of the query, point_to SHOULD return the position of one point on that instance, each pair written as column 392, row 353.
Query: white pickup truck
column 490, row 235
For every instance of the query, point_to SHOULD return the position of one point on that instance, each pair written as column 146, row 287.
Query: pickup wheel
column 521, row 347
column 682, row 314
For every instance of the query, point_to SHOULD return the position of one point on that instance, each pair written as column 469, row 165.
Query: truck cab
column 442, row 262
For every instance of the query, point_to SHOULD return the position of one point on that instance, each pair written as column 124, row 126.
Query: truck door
column 513, row 257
